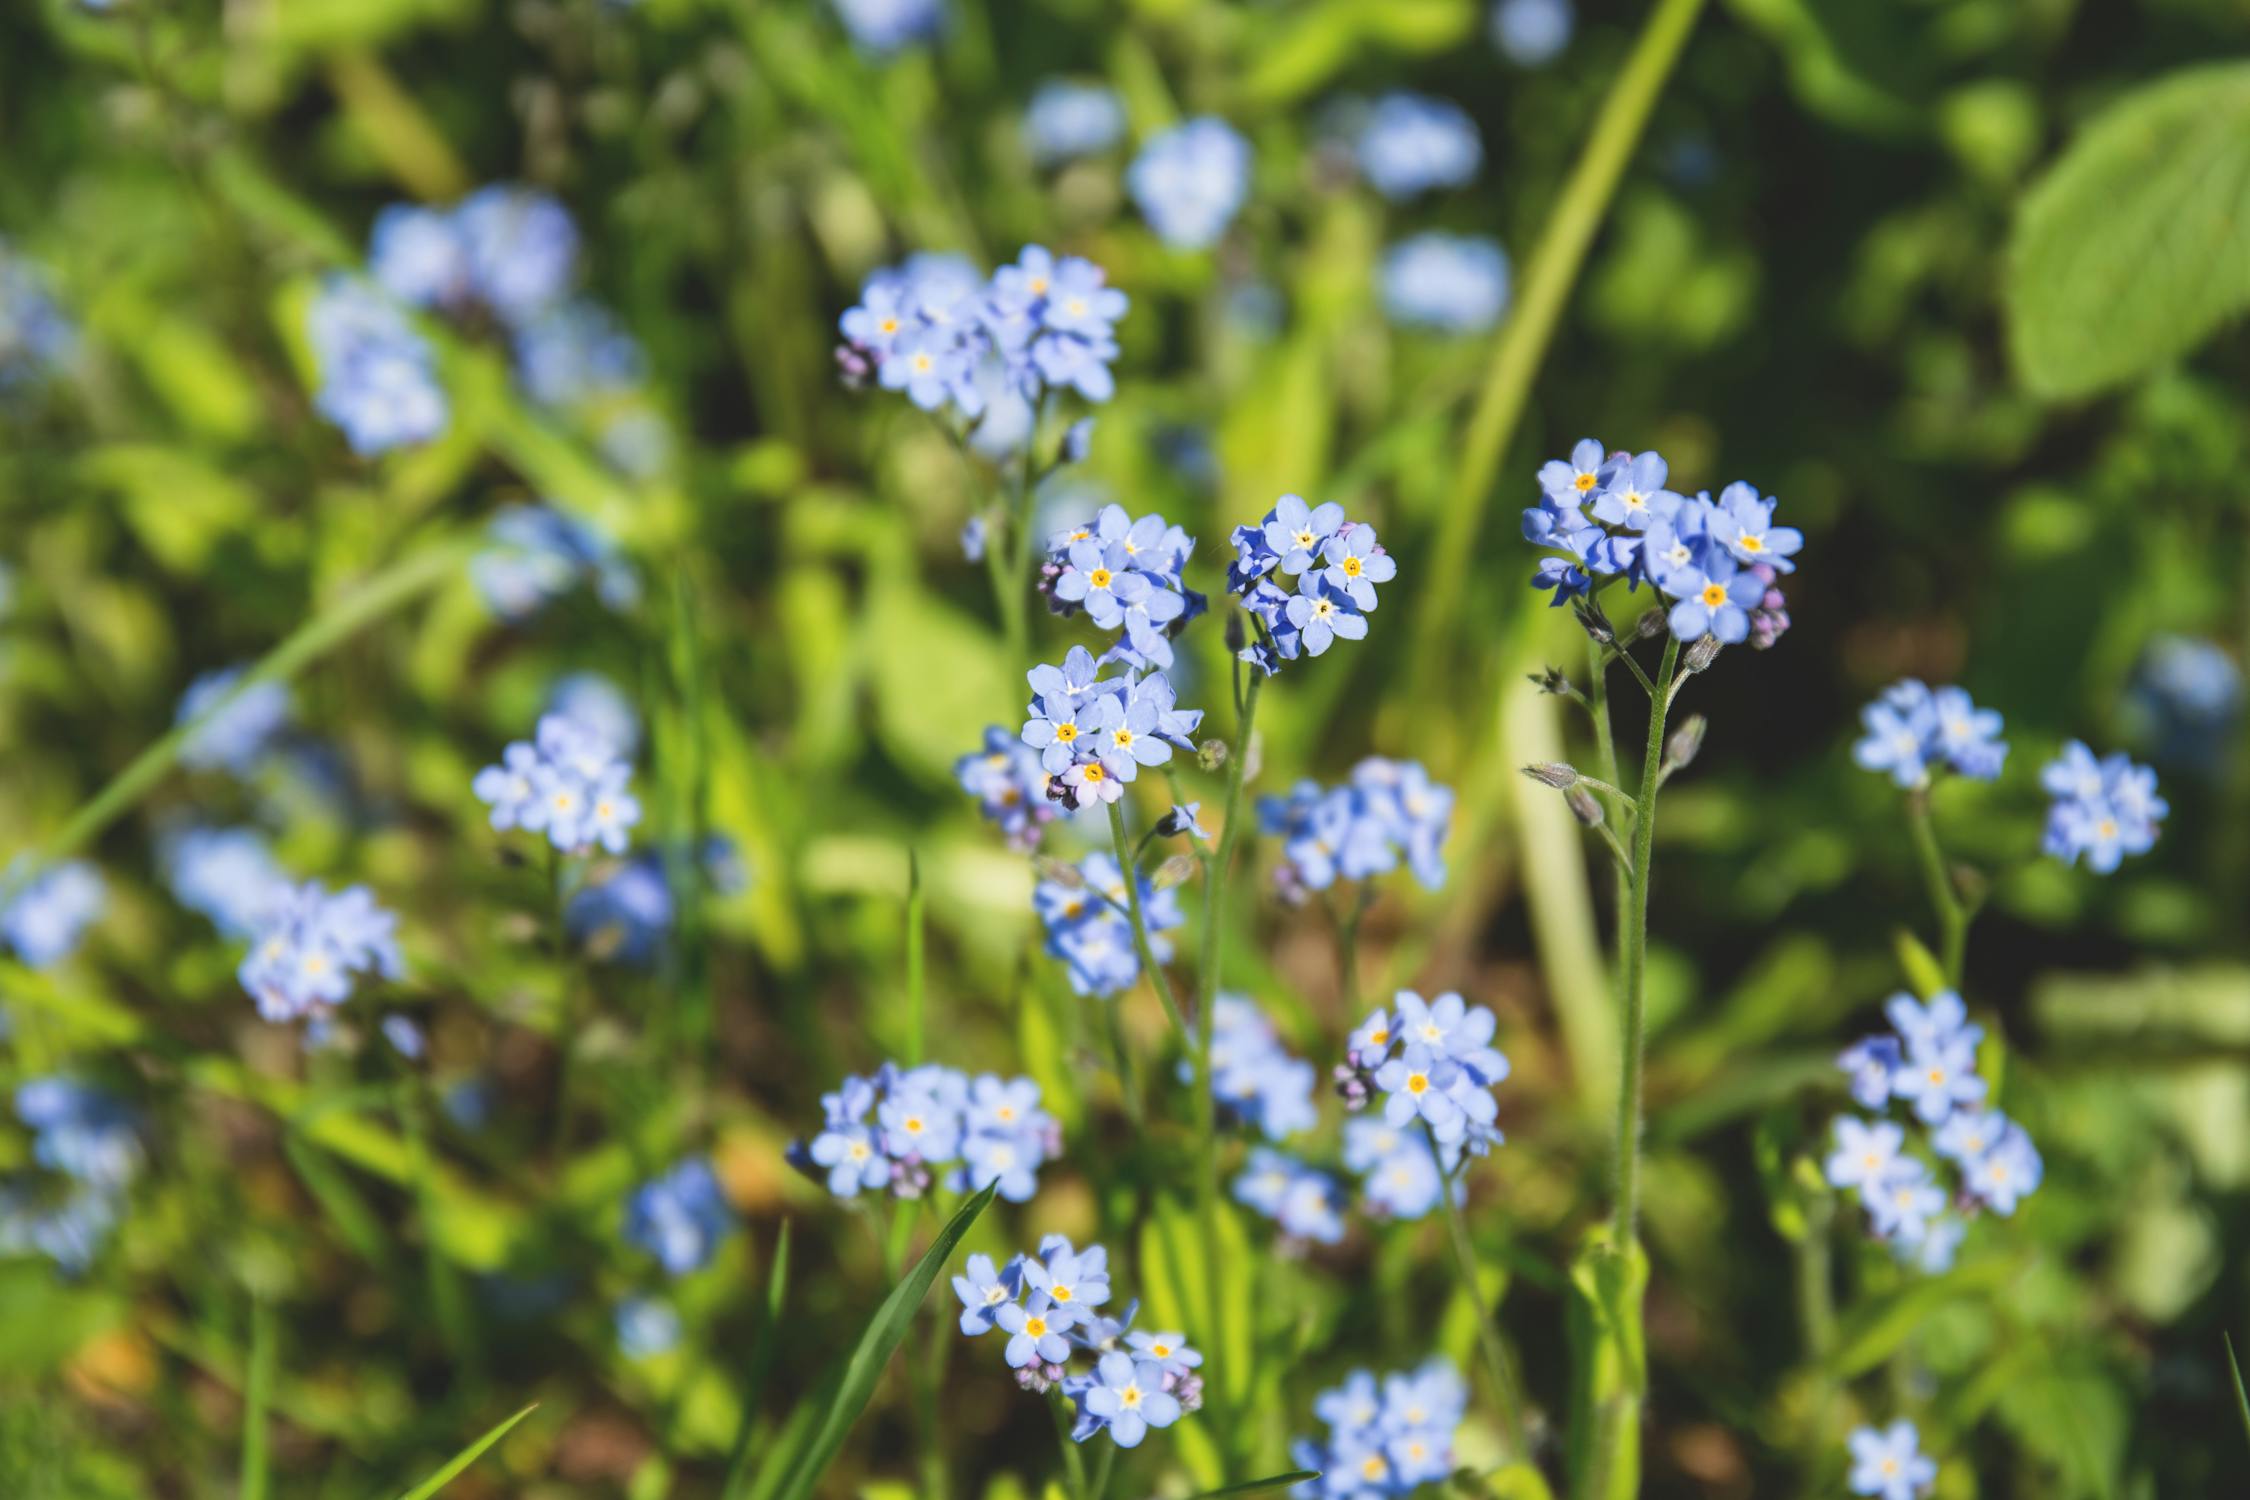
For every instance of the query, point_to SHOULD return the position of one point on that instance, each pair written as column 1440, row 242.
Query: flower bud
column 1551, row 680
column 1700, row 655
column 1211, row 755
column 1237, row 636
column 1594, row 622
column 1680, row 749
column 1584, row 807
column 1174, row 871
column 1552, row 773
column 1652, row 624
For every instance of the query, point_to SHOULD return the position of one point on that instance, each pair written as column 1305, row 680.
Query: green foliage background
column 2004, row 397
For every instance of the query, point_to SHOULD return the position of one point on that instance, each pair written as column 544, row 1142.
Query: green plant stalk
column 1504, row 1392
column 1816, row 1315
column 1618, row 1431
column 917, row 969
column 1549, row 276
column 1626, row 1174
column 257, row 1400
column 1953, row 914
column 1074, row 1467
column 1099, row 1485
column 387, row 591
column 1146, row 950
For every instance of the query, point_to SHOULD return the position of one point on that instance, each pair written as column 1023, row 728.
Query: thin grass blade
column 466, row 1457
column 760, row 1365
column 885, row 1331
column 1253, row 1486
column 2241, row 1397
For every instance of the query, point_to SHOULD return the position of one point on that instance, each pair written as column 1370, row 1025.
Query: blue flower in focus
column 1129, row 1397
column 647, row 1327
column 1889, row 1464
column 1067, row 120
column 1035, row 1332
column 984, row 1291
column 568, row 783
column 231, row 729
column 2103, row 809
column 887, row 25
column 43, row 917
column 377, row 379
column 311, row 948
column 1744, row 526
column 1190, row 180
column 537, row 554
column 1713, row 599
column 680, row 1217
column 985, row 1130
column 1413, row 143
column 227, row 874
column 1449, row 283
column 1532, row 33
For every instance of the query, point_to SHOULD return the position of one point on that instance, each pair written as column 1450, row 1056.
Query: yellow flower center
column 1417, row 1083
column 1379, row 1037
column 1161, row 1351
column 1099, row 578
column 1714, row 595
column 1121, row 738
column 1373, row 1467
column 888, row 325
column 1066, row 732
column 1129, row 1397
column 923, row 364
column 1750, row 541
column 1038, row 286
column 1584, row 482
column 1036, row 1327
column 1351, row 567
column 1092, row 771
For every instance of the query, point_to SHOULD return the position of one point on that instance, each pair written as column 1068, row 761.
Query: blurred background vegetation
column 1803, row 280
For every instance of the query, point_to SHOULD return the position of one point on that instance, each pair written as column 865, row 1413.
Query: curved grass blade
column 885, row 1331
column 1253, row 1486
column 363, row 606
column 2241, row 1397
column 465, row 1457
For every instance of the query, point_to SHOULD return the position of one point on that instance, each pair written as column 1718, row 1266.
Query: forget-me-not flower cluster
column 1009, row 783
column 1434, row 1063
column 228, row 874
column 1093, row 733
column 43, row 916
column 2188, row 694
column 887, row 1132
column 1888, row 1463
column 1388, row 813
column 986, row 351
column 313, row 946
column 566, row 782
column 1385, row 1437
column 680, row 1217
column 1928, row 1064
column 1049, row 1308
column 1128, row 576
column 2104, row 808
column 1915, row 731
column 506, row 252
column 1608, row 515
column 1189, row 181
column 1086, row 916
column 377, row 375
column 1335, row 563
column 1067, row 120
column 236, row 735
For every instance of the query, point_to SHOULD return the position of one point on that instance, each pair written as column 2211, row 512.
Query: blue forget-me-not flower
column 1189, row 181
column 680, row 1217
column 2103, row 809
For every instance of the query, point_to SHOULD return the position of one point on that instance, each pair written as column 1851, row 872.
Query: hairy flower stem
column 1217, row 866
column 1953, row 913
column 1129, row 871
column 1504, row 1393
column 1626, row 1176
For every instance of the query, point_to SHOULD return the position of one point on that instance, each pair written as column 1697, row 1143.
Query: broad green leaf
column 467, row 1456
column 885, row 1331
column 2135, row 247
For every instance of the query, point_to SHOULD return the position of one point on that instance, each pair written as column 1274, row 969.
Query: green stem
column 1952, row 912
column 257, row 1399
column 1626, row 1175
column 1130, row 872
column 1816, row 1311
column 1504, row 1392
column 1217, row 867
column 1102, row 1466
column 1074, row 1467
column 1549, row 275
column 355, row 611
column 916, row 965
column 567, row 1020
column 1347, row 952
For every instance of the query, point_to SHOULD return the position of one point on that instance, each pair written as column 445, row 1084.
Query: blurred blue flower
column 35, row 337
column 1399, row 1171
column 574, row 352
column 521, row 248
column 1385, row 1444
column 887, row 25
column 1009, row 783
column 80, row 1132
column 1306, row 1203
column 1190, row 180
column 599, row 706
column 240, row 725
column 405, row 1037
column 1088, row 929
column 1889, row 1463
column 312, row 946
column 376, row 374
column 1870, row 1062
column 1412, row 143
column 1912, row 731
column 227, row 874
column 42, row 917
column 623, row 914
column 1388, row 812
column 537, row 554
column 1255, row 1079
column 2188, row 695
column 68, row 1225
column 1532, row 33
column 568, row 782
column 680, row 1217
column 2103, row 809
column 1867, row 1153
column 647, row 1327
column 1067, row 120
column 1449, row 283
